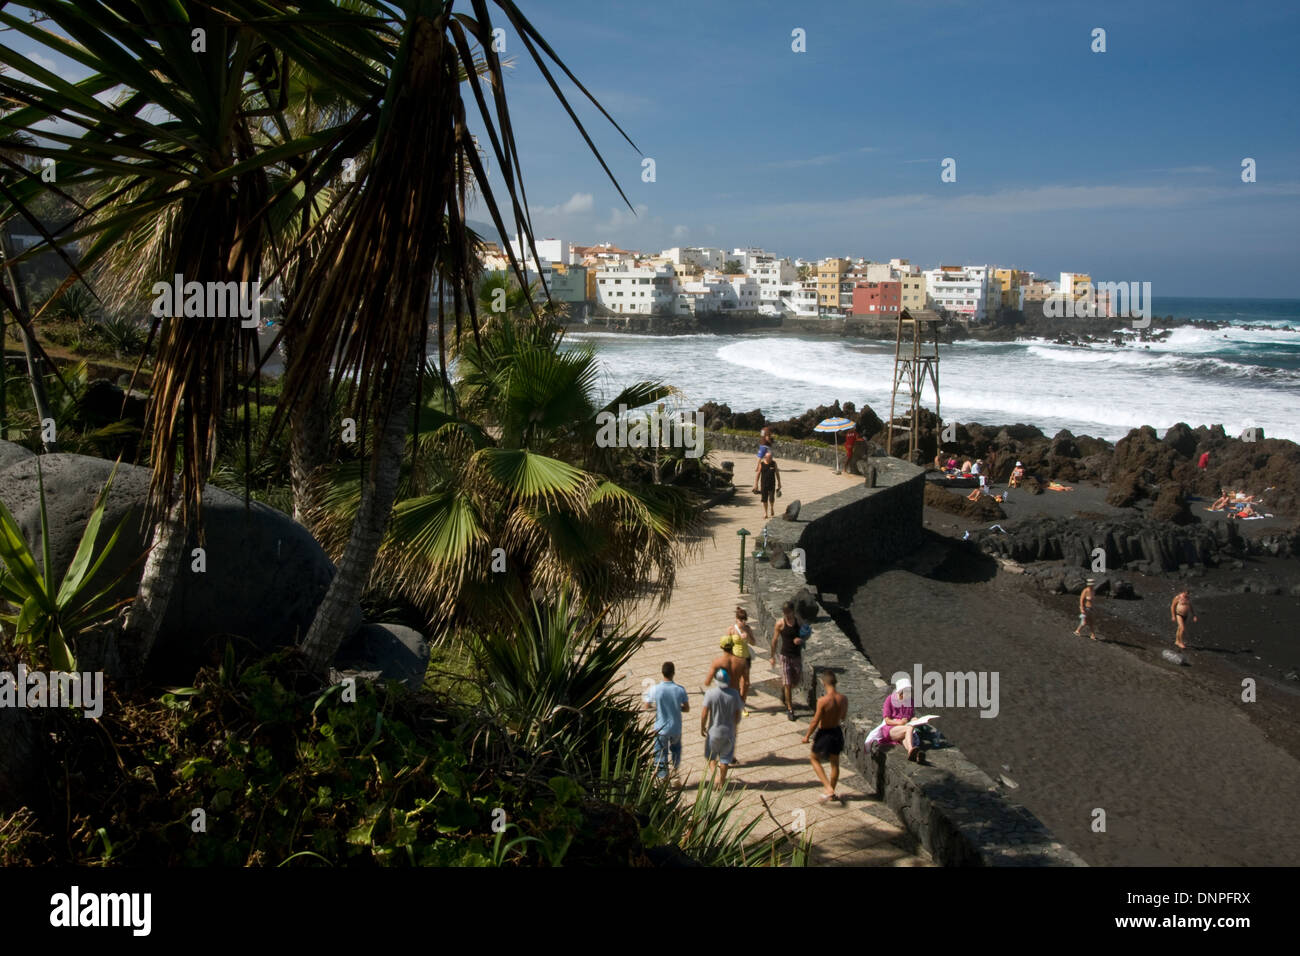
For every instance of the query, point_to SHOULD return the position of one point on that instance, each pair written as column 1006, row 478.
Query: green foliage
column 50, row 617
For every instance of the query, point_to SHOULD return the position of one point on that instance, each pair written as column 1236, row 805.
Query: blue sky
column 1125, row 164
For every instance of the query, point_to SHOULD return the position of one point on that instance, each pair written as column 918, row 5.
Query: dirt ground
column 1186, row 772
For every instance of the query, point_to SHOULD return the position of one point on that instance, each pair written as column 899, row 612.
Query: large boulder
column 395, row 652
column 263, row 574
column 11, row 454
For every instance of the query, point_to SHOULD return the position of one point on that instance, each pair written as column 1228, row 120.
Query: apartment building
column 877, row 299
column 637, row 290
column 568, row 283
column 961, row 290
column 912, row 290
column 552, row 250
column 1011, row 283
column 831, row 284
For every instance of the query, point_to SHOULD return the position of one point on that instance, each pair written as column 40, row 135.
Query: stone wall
column 949, row 805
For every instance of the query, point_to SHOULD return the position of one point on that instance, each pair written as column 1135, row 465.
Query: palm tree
column 189, row 144
column 510, row 461
column 180, row 162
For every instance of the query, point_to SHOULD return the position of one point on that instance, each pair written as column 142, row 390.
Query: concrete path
column 773, row 761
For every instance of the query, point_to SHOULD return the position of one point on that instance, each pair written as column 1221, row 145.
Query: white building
column 628, row 290
column 962, row 290
column 697, row 256
column 552, row 250
column 775, row 277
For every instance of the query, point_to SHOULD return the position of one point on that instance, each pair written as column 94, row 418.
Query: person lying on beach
column 1219, row 503
column 1017, row 475
column 1179, row 610
column 1245, row 511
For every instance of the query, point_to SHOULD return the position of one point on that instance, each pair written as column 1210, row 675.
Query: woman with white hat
column 898, row 710
column 1017, row 475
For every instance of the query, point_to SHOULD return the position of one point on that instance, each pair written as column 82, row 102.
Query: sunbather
column 1017, row 475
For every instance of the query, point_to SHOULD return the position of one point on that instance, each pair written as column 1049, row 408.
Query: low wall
column 949, row 805
column 745, row 448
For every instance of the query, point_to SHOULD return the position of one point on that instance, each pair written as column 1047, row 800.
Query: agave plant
column 50, row 615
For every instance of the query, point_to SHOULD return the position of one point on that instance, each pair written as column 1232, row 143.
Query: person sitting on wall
column 965, row 467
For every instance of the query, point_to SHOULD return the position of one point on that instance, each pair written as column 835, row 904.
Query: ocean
column 1243, row 376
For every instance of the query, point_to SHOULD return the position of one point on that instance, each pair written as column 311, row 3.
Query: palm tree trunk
column 34, row 371
column 161, row 569
column 328, row 629
column 309, row 438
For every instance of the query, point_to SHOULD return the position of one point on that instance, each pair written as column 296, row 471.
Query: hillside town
column 685, row 281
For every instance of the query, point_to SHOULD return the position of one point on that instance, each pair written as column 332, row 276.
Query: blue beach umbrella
column 835, row 426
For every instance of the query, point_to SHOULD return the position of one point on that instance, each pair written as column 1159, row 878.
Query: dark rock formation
column 263, row 574
column 982, row 509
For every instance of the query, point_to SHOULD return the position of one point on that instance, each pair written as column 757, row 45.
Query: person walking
column 719, row 719
column 769, row 484
column 1086, row 597
column 828, row 744
column 669, row 701
column 1180, row 608
column 787, row 653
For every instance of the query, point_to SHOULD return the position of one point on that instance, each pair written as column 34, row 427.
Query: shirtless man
column 729, row 662
column 832, row 708
column 1179, row 608
column 1085, row 610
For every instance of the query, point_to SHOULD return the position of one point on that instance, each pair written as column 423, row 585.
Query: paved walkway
column 774, row 763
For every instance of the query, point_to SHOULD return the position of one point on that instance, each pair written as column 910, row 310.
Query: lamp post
column 742, row 533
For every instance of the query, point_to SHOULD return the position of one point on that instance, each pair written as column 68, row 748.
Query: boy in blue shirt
column 669, row 701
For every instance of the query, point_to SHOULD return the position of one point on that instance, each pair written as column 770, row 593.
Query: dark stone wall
column 952, row 807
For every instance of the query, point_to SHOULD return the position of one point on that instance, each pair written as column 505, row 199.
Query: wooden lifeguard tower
column 914, row 364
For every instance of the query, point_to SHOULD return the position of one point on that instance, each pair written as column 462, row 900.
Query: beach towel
column 876, row 736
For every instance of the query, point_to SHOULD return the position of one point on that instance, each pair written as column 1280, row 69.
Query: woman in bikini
column 1179, row 608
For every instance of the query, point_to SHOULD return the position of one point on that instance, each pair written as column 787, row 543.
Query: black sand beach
column 1186, row 772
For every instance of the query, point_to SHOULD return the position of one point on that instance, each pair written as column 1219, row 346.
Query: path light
column 742, row 533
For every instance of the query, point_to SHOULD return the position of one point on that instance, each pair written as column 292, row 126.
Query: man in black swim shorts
column 828, row 744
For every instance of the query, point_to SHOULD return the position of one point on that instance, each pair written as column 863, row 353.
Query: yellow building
column 830, row 277
column 1011, row 281
column 913, row 288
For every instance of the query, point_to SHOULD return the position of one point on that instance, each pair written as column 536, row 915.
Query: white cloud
column 679, row 232
column 621, row 217
column 578, row 202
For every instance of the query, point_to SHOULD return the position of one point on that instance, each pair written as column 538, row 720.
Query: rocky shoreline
column 1159, row 475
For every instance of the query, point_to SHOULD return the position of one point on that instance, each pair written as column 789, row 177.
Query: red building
column 878, row 299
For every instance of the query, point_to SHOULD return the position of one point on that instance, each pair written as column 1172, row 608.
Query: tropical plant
column 187, row 150
column 123, row 334
column 50, row 616
column 518, row 467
